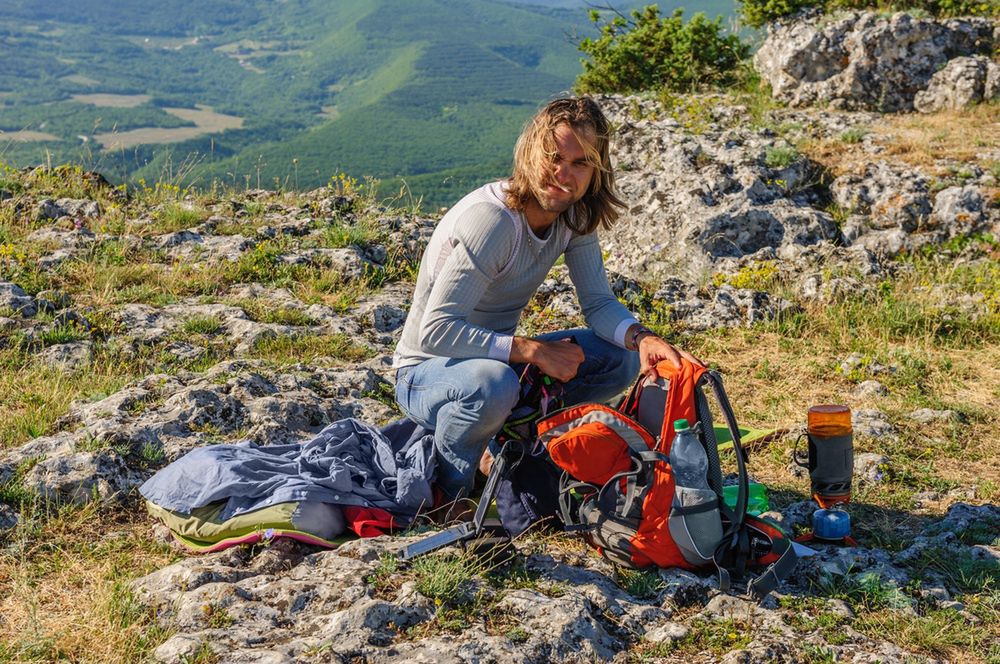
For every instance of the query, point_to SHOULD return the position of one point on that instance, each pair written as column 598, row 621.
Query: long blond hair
column 536, row 146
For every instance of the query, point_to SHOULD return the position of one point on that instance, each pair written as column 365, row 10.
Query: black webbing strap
column 776, row 572
column 743, row 493
column 640, row 460
column 630, row 488
column 566, row 498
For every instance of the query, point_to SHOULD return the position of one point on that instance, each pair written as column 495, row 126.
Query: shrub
column 756, row 13
column 646, row 52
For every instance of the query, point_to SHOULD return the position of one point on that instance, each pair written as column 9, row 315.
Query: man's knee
column 497, row 387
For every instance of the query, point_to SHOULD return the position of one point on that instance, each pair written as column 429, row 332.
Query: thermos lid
column 828, row 420
column 681, row 425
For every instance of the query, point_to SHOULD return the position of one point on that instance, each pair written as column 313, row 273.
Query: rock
column 69, row 356
column 962, row 82
column 14, row 301
column 870, row 388
column 891, row 198
column 795, row 516
column 928, row 415
column 872, row 423
column 9, row 517
column 697, row 200
column 56, row 258
column 871, row 468
column 727, row 606
column 81, row 477
column 192, row 246
column 56, row 298
column 861, row 60
column 923, row 499
column 668, row 631
column 861, row 365
column 72, row 207
column 77, row 238
column 681, row 588
column 47, row 209
column 960, row 210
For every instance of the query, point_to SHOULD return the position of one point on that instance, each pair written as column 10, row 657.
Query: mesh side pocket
column 695, row 523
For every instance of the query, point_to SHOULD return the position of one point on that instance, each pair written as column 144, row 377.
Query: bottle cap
column 681, row 425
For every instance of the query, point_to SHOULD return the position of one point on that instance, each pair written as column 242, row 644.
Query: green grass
column 284, row 350
column 178, row 216
column 207, row 325
column 781, row 156
column 854, row 135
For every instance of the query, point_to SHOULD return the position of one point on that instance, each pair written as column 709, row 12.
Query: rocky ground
column 803, row 251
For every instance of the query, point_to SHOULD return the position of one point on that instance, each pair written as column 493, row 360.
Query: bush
column 756, row 13
column 647, row 52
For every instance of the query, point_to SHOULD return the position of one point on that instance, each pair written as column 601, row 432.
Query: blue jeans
column 466, row 401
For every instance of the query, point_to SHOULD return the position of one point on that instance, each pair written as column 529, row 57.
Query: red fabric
column 369, row 521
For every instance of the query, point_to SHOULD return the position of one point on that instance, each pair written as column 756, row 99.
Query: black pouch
column 529, row 491
column 529, row 494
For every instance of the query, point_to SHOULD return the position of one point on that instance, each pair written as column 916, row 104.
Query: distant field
column 207, row 121
column 26, row 136
column 80, row 79
column 112, row 101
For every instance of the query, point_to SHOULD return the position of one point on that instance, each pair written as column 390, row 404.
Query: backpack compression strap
column 737, row 542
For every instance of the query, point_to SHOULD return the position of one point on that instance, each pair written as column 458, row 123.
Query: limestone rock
column 888, row 198
column 68, row 356
column 871, row 468
column 929, row 415
column 962, row 82
column 864, row 60
column 13, row 300
column 66, row 207
column 870, row 388
column 960, row 210
column 872, row 423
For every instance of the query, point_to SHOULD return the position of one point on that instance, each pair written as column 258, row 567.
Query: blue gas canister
column 831, row 525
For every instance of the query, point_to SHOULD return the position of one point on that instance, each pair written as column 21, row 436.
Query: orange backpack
column 620, row 489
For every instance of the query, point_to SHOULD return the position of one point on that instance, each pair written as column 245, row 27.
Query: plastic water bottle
column 688, row 458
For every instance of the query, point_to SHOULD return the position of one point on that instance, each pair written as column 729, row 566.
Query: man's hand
column 653, row 349
column 558, row 359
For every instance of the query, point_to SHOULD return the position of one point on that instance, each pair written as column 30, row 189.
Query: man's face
column 566, row 176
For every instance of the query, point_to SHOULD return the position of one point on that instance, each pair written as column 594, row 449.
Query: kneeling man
column 483, row 264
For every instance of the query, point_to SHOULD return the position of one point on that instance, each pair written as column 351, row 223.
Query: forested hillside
column 286, row 93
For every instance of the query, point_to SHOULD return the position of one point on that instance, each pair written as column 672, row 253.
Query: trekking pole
column 463, row 531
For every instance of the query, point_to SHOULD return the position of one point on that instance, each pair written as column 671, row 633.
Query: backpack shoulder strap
column 680, row 404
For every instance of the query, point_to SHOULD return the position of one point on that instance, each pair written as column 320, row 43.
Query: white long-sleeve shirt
column 482, row 266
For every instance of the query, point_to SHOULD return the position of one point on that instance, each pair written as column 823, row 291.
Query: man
column 483, row 264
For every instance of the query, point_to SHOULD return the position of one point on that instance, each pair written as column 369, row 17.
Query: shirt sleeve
column 604, row 313
column 481, row 246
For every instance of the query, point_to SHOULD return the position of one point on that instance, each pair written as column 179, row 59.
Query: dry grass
column 942, row 358
column 929, row 141
column 64, row 592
